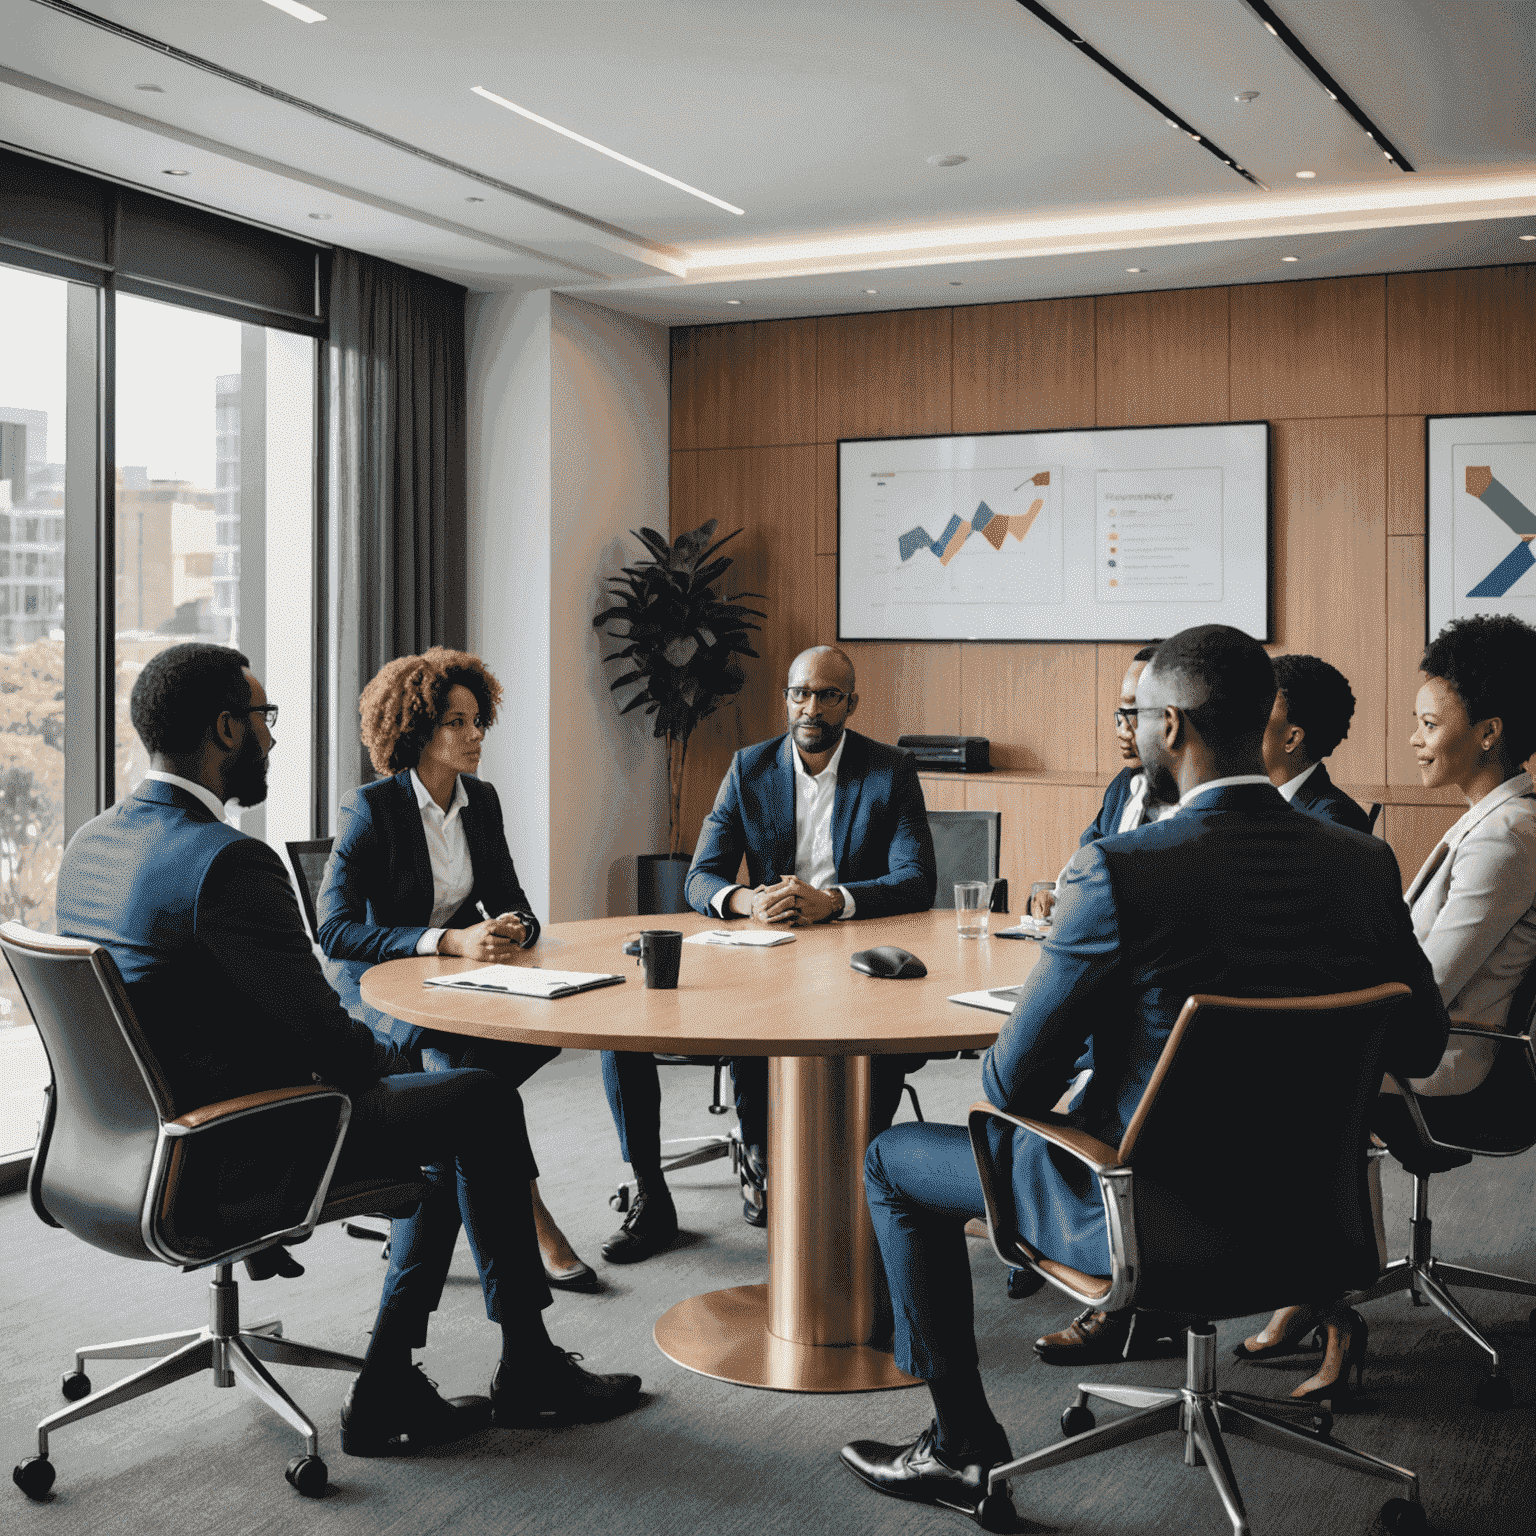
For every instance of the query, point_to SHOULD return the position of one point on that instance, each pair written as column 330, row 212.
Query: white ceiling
column 818, row 119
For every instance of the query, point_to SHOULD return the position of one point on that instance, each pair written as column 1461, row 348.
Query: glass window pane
column 32, row 394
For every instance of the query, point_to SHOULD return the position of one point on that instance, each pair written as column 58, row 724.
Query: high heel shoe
column 1300, row 1334
column 1348, row 1334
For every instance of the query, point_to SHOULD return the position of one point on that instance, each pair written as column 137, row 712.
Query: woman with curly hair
column 1473, row 906
column 420, row 865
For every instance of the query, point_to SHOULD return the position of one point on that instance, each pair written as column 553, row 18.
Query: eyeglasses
column 1126, row 717
column 832, row 696
column 269, row 710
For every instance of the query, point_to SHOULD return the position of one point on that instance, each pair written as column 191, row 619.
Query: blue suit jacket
column 881, row 846
column 376, row 899
column 1322, row 798
column 204, row 927
column 1234, row 895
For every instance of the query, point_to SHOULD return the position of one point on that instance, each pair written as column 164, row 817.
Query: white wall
column 568, row 450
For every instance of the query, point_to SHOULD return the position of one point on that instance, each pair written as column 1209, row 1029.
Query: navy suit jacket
column 376, row 899
column 1107, row 822
column 1233, row 895
column 881, row 846
column 204, row 927
column 1322, row 798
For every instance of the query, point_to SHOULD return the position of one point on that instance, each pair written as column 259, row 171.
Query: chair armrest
column 232, row 1109
column 1097, row 1155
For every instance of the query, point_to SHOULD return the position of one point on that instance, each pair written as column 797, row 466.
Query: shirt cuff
column 849, row 907
column 427, row 943
column 718, row 900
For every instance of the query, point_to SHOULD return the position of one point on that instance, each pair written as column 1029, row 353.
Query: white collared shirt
column 200, row 791
column 1140, row 808
column 453, row 874
column 1289, row 788
column 1228, row 783
column 815, row 861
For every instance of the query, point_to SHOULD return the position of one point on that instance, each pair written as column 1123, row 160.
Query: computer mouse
column 888, row 963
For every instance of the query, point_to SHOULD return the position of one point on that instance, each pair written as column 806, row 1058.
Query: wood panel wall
column 1346, row 369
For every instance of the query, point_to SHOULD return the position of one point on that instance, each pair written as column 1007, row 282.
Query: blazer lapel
column 781, row 840
column 845, row 802
column 423, row 891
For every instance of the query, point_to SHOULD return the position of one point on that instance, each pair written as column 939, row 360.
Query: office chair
column 127, row 1170
column 1375, row 816
column 1220, row 1202
column 1496, row 1119
column 309, row 860
column 967, row 845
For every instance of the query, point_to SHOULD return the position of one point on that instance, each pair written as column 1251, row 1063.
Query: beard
column 247, row 781
column 815, row 737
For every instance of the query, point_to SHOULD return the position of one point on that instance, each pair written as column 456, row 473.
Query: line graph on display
column 996, row 528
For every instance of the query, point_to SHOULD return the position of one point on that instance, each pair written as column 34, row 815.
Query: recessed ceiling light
column 733, row 301
column 1306, row 175
column 1528, row 237
column 1290, row 258
column 158, row 90
column 297, row 11
column 602, row 149
column 1133, row 269
column 1270, row 30
column 947, row 159
column 474, row 199
column 871, row 290
column 1246, row 96
column 175, row 173
column 319, row 215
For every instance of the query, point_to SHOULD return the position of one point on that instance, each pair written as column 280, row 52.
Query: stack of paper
column 740, row 938
column 524, row 981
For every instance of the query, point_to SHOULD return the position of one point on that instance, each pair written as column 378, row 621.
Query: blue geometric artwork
column 1520, row 520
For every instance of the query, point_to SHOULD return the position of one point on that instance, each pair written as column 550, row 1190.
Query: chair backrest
column 1375, row 816
column 966, row 846
column 1248, row 1152
column 309, row 860
column 92, row 1166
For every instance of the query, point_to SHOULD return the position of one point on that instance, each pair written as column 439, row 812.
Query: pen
column 480, row 908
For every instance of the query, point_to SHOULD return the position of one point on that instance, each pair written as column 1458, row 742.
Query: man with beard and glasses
column 833, row 827
column 203, row 925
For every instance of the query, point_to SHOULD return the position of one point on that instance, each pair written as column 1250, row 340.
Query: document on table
column 995, row 999
column 744, row 938
column 524, row 981
column 1025, row 928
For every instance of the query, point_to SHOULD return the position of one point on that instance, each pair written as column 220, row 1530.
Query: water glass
column 971, row 907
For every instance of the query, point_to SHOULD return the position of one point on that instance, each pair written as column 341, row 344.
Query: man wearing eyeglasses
column 833, row 827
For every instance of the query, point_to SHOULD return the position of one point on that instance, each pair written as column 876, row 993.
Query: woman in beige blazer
column 1473, row 902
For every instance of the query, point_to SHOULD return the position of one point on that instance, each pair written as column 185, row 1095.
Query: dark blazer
column 376, row 899
column 1322, row 798
column 881, row 846
column 1233, row 895
column 204, row 927
column 1107, row 822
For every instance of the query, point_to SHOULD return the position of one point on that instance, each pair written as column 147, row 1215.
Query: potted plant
column 682, row 639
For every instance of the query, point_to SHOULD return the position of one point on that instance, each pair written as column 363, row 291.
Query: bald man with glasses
column 833, row 828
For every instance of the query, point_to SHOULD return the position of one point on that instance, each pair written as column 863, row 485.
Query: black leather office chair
column 1232, row 1192
column 1496, row 1119
column 967, row 845
column 132, row 1173
column 309, row 860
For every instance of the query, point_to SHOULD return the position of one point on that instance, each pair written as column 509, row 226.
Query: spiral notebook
column 524, row 981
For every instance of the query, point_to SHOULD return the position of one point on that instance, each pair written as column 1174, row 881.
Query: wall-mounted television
column 1112, row 533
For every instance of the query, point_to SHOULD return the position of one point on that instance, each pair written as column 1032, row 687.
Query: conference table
column 819, row 1022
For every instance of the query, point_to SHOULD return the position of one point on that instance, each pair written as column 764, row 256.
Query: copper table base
column 725, row 1334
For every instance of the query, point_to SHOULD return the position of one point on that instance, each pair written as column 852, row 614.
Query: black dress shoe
column 754, row 1187
column 563, row 1394
column 405, row 1415
column 650, row 1226
column 918, row 1473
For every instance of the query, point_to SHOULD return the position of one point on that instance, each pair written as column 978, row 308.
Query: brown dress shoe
column 1091, row 1338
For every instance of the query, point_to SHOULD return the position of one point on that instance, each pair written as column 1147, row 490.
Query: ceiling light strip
column 194, row 61
column 1167, row 113
column 1266, row 14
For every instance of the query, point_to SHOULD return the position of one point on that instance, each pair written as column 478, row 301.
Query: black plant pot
column 660, row 886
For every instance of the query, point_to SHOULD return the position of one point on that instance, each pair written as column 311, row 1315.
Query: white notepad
column 525, row 981
column 995, row 999
column 742, row 938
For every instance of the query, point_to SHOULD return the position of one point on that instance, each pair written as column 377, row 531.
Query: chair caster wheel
column 1399, row 1517
column 34, row 1476
column 1495, row 1392
column 75, row 1385
column 1077, row 1420
column 619, row 1199
column 308, row 1475
column 996, row 1513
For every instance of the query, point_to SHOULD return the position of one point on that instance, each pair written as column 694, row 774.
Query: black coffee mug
column 660, row 952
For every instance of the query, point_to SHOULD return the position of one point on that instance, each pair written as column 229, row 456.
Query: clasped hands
column 791, row 902
column 492, row 940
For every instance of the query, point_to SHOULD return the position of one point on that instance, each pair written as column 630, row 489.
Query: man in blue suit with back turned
column 833, row 827
column 203, row 926
column 1234, row 894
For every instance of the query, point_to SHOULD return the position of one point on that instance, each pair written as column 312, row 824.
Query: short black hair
column 182, row 691
column 1147, row 652
column 1318, row 699
column 1489, row 660
column 1232, row 672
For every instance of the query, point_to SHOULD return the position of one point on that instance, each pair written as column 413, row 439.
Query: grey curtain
column 396, row 454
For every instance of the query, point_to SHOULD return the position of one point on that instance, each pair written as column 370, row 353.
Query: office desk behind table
column 819, row 1022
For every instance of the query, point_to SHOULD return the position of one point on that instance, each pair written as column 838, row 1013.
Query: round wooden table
column 819, row 1022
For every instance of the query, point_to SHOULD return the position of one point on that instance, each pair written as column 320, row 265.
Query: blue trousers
column 922, row 1187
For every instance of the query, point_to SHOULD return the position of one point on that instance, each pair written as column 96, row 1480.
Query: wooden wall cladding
column 1345, row 369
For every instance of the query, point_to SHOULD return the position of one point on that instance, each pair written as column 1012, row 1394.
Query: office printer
column 949, row 754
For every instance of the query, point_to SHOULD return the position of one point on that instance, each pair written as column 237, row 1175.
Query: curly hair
column 1318, row 698
column 182, row 691
column 1488, row 660
column 403, row 705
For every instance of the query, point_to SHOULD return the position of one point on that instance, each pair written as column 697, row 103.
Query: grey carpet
column 699, row 1456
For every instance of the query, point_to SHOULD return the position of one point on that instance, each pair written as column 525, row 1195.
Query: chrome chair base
column 1204, row 1416
column 706, row 1149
